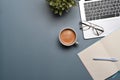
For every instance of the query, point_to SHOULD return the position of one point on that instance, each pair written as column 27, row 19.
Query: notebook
column 107, row 47
column 104, row 13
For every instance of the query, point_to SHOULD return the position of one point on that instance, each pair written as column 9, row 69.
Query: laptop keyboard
column 102, row 9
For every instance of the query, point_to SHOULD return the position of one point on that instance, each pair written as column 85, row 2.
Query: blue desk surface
column 29, row 45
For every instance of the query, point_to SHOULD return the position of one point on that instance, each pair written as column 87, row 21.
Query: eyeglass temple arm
column 85, row 24
column 92, row 26
column 99, row 29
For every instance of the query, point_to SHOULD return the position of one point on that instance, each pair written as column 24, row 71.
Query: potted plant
column 60, row 6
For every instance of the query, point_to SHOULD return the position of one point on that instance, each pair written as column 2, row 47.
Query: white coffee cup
column 68, row 36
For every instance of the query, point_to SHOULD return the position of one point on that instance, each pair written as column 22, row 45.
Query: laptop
column 102, row 13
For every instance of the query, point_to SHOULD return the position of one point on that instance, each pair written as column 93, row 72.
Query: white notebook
column 105, row 48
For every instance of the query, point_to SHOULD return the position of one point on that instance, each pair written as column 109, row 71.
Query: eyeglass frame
column 93, row 28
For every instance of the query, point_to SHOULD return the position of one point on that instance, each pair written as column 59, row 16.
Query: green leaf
column 58, row 6
column 60, row 13
column 56, row 11
column 63, row 8
column 51, row 3
column 70, row 5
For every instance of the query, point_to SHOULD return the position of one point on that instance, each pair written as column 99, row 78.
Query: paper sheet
column 106, row 48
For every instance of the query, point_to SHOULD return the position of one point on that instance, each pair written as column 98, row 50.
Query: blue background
column 29, row 45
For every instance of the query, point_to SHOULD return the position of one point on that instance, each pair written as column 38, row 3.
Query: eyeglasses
column 97, row 30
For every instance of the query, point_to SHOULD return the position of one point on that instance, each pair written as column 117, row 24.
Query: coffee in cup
column 67, row 36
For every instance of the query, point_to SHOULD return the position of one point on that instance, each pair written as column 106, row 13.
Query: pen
column 106, row 59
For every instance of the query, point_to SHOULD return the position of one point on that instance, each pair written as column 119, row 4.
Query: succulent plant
column 59, row 6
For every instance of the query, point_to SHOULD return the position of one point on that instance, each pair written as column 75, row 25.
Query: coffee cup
column 68, row 36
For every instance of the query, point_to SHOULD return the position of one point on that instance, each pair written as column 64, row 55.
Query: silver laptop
column 104, row 14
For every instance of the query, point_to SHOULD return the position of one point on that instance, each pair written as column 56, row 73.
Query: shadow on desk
column 66, row 47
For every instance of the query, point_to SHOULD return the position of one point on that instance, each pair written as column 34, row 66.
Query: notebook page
column 99, row 70
column 112, row 45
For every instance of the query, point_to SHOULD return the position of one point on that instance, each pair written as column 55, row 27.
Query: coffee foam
column 68, row 36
